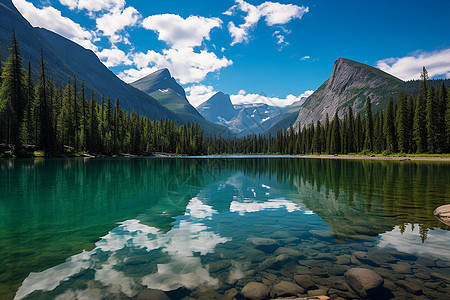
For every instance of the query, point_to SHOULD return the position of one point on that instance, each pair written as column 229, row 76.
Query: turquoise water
column 96, row 228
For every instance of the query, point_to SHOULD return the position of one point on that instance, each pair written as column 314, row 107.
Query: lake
column 97, row 228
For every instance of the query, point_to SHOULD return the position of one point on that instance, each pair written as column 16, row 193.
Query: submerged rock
column 290, row 252
column 305, row 281
column 363, row 281
column 255, row 291
column 152, row 295
column 286, row 289
column 264, row 244
column 402, row 268
column 274, row 263
column 409, row 287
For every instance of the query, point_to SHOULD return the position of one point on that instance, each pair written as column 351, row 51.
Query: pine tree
column 447, row 121
column 442, row 147
column 45, row 121
column 317, row 140
column 403, row 124
column 351, row 145
column 419, row 126
column 389, row 127
column 368, row 140
column 335, row 136
column 432, row 121
column 12, row 95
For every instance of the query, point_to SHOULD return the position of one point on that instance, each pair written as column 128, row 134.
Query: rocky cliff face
column 350, row 84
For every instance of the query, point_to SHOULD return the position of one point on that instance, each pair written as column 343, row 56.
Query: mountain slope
column 217, row 108
column 161, row 86
column 350, row 84
column 287, row 118
column 66, row 58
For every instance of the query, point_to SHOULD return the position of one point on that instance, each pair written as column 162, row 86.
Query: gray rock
column 316, row 293
column 374, row 259
column 280, row 235
column 255, row 291
column 409, row 287
column 286, row 289
column 402, row 268
column 322, row 233
column 363, row 281
column 305, row 282
column 274, row 263
column 264, row 244
column 326, row 256
column 219, row 265
column 343, row 260
column 152, row 295
column 288, row 251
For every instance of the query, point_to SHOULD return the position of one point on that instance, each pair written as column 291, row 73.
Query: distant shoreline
column 444, row 158
column 396, row 158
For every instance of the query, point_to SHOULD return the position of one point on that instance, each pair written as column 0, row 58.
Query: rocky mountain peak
column 349, row 84
column 159, row 80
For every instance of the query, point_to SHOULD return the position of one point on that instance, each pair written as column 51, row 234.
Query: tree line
column 58, row 119
column 418, row 124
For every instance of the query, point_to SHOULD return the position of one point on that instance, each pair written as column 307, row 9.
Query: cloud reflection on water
column 187, row 237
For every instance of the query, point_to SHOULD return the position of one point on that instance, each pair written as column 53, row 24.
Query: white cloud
column 197, row 94
column 241, row 98
column 307, row 57
column 274, row 14
column 181, row 36
column 186, row 65
column 51, row 19
column 410, row 67
column 117, row 20
column 93, row 6
column 114, row 57
column 181, row 33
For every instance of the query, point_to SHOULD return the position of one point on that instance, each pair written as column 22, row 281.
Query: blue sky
column 280, row 49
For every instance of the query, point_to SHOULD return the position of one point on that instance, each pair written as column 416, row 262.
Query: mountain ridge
column 75, row 60
column 161, row 86
column 349, row 84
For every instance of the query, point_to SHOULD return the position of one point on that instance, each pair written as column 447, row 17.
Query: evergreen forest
column 56, row 120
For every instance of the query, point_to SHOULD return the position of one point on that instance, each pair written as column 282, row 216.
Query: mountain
column 242, row 119
column 66, row 59
column 285, row 119
column 350, row 84
column 161, row 86
column 218, row 108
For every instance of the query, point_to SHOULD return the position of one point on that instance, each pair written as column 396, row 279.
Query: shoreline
column 325, row 156
column 396, row 158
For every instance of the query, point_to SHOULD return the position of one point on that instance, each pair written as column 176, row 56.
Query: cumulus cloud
column 181, row 33
column 93, row 6
column 114, row 57
column 197, row 94
column 111, row 24
column 410, row 67
column 273, row 13
column 243, row 98
column 51, row 19
column 186, row 65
